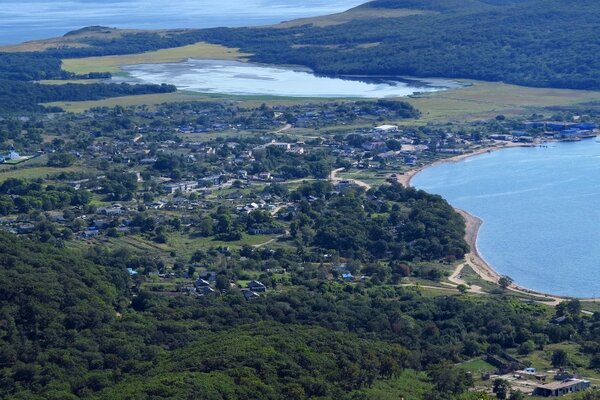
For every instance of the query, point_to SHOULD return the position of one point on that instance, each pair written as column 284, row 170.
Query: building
column 11, row 156
column 257, row 286
column 386, row 129
column 186, row 187
column 561, row 388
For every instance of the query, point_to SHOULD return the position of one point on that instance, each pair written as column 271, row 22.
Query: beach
column 474, row 259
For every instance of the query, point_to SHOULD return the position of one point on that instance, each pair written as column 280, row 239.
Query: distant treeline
column 27, row 96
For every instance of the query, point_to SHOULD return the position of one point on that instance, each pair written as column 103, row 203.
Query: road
column 334, row 178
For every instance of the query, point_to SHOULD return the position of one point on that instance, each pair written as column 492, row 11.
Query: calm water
column 238, row 78
column 34, row 19
column 540, row 211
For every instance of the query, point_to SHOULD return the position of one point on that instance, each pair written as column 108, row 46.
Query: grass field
column 487, row 99
column 33, row 173
column 184, row 245
column 180, row 96
column 370, row 177
column 112, row 64
column 350, row 15
column 579, row 362
column 66, row 81
column 408, row 385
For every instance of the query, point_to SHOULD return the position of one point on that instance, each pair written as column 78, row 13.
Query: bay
column 240, row 78
column 34, row 19
column 540, row 211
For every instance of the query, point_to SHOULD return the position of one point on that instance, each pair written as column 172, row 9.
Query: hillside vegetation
column 546, row 43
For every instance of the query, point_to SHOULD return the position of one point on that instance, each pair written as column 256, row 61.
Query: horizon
column 35, row 20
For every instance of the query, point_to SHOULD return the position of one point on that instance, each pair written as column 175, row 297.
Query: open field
column 67, row 81
column 180, row 96
column 185, row 245
column 351, row 15
column 112, row 64
column 73, row 40
column 407, row 385
column 370, row 177
column 487, row 99
column 541, row 359
column 33, row 173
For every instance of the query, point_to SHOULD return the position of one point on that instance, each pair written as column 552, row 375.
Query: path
column 256, row 246
column 333, row 177
column 285, row 128
column 456, row 279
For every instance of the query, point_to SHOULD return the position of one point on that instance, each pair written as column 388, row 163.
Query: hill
column 543, row 43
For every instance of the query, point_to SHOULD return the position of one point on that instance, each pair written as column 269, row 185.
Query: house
column 257, row 286
column 561, row 388
column 372, row 146
column 201, row 283
column 210, row 180
column 347, row 276
column 11, row 156
column 280, row 145
column 210, row 276
column 266, row 231
column 90, row 233
column 249, row 294
column 205, row 290
column 265, row 176
column 386, row 128
column 25, row 228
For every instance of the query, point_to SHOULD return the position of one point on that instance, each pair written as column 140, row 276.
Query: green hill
column 545, row 43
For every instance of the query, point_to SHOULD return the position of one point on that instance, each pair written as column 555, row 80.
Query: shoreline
column 472, row 226
column 407, row 177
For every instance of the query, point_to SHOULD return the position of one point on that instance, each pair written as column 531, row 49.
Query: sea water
column 540, row 208
column 34, row 19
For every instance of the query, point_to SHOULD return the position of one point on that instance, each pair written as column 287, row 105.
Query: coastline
column 473, row 224
column 407, row 177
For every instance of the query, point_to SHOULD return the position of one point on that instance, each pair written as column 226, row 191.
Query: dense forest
column 76, row 324
column 526, row 43
column 68, row 330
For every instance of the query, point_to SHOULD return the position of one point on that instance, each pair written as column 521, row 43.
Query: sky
column 34, row 19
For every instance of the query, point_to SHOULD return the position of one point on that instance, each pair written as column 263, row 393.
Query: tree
column 516, row 395
column 526, row 347
column 462, row 288
column 501, row 388
column 60, row 160
column 505, row 281
column 222, row 282
column 559, row 358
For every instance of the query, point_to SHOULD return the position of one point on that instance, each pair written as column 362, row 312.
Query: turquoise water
column 540, row 211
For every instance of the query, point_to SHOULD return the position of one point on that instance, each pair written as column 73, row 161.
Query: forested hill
column 547, row 43
column 439, row 5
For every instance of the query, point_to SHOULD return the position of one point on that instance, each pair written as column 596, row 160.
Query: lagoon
column 540, row 211
column 241, row 78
